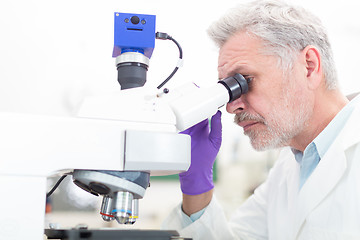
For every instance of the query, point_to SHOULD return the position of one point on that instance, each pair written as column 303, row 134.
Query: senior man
column 293, row 103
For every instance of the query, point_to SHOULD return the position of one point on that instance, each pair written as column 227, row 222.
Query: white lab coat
column 326, row 207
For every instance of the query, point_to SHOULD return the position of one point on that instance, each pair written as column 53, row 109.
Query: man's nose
column 236, row 106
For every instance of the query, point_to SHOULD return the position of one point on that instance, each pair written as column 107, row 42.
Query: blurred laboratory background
column 55, row 53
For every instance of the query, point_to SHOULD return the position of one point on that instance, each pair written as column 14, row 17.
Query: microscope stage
column 111, row 234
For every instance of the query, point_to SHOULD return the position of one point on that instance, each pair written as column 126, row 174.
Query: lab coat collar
column 328, row 172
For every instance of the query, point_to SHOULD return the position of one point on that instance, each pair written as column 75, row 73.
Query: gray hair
column 284, row 29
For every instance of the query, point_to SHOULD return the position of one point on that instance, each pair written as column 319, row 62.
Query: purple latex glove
column 205, row 146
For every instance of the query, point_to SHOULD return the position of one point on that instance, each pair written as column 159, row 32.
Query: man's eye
column 248, row 79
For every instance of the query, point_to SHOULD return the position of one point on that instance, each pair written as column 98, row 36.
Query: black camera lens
column 135, row 19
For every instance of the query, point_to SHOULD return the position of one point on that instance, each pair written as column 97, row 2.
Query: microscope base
column 111, row 234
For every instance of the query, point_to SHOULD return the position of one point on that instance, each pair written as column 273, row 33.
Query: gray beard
column 281, row 128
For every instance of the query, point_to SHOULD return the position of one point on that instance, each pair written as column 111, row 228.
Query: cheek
column 263, row 106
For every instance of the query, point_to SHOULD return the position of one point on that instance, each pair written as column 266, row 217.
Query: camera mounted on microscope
column 134, row 42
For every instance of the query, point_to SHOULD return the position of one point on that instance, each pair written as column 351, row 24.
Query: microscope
column 112, row 147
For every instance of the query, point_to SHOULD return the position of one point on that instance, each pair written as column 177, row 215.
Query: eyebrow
column 238, row 69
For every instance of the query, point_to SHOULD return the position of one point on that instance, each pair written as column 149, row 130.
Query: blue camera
column 134, row 33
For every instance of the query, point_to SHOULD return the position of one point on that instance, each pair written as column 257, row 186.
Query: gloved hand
column 205, row 146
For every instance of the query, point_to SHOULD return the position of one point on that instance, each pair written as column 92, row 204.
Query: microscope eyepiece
column 236, row 86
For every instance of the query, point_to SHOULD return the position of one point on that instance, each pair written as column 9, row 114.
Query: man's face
column 276, row 108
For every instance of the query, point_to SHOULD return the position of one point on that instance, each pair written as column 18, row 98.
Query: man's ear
column 313, row 64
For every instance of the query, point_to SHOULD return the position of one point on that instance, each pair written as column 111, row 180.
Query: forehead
column 239, row 52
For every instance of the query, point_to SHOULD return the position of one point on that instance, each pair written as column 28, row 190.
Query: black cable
column 55, row 186
column 165, row 36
